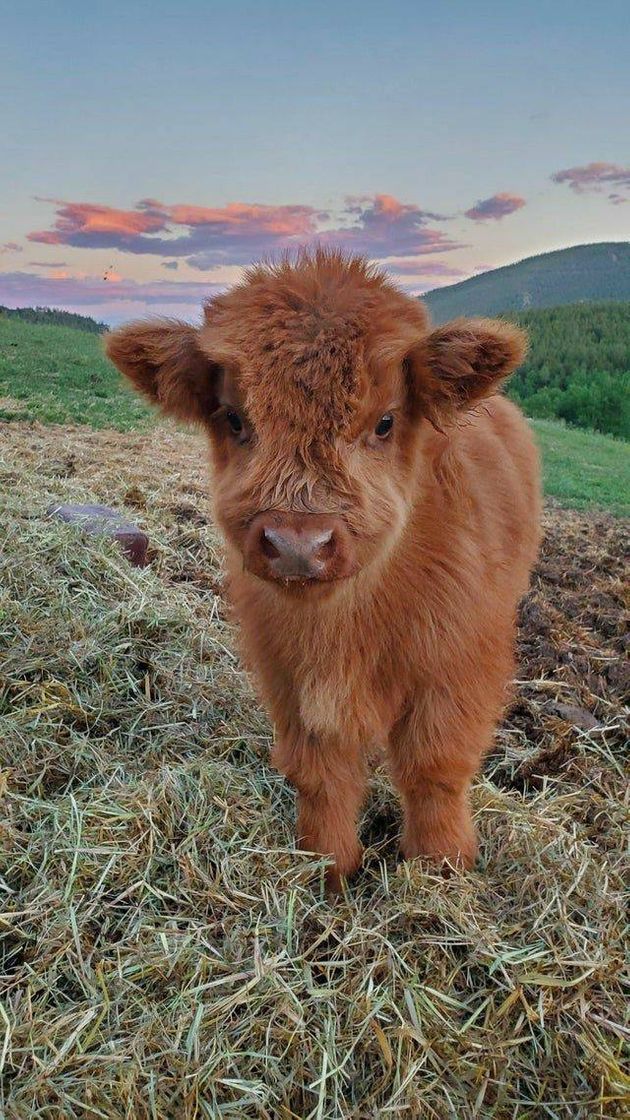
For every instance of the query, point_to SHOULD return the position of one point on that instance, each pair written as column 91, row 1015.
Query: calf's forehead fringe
column 306, row 337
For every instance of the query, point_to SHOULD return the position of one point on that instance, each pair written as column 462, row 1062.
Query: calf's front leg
column 435, row 750
column 330, row 779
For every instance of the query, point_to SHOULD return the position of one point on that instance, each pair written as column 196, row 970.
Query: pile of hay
column 167, row 953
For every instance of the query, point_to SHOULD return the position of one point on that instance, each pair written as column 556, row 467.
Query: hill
column 584, row 272
column 51, row 316
column 578, row 366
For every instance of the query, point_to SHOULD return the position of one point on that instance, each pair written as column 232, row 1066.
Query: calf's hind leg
column 434, row 751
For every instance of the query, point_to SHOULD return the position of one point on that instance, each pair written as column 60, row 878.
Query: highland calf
column 380, row 506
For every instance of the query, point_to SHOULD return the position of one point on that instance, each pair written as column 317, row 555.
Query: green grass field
column 60, row 375
column 582, row 470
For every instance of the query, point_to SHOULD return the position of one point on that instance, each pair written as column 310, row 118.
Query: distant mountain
column 582, row 273
column 53, row 317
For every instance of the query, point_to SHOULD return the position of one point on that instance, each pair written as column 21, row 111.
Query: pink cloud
column 496, row 207
column 592, row 177
column 381, row 226
column 11, row 247
column 284, row 221
column 85, row 225
column 616, row 199
column 388, row 208
column 378, row 226
column 231, row 234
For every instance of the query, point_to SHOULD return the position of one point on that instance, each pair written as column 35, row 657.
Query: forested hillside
column 578, row 366
column 583, row 272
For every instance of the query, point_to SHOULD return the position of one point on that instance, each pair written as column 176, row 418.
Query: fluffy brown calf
column 380, row 506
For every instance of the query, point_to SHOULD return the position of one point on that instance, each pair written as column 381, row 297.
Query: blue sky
column 243, row 129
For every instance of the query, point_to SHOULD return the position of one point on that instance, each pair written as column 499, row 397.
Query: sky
column 150, row 151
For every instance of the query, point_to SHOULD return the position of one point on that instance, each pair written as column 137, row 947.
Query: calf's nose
column 288, row 546
column 297, row 553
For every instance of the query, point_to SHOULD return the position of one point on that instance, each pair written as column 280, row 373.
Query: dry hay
column 167, row 953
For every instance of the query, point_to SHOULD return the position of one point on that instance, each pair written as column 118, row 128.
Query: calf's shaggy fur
column 380, row 507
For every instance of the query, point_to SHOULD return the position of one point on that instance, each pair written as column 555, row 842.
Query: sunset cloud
column 11, row 247
column 496, row 207
column 381, row 227
column 207, row 237
column 48, row 264
column 88, row 226
column 283, row 221
column 388, row 207
column 594, row 177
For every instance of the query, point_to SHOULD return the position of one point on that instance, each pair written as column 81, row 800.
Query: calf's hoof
column 458, row 852
column 342, row 871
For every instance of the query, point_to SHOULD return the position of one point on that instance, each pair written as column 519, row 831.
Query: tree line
column 578, row 366
column 52, row 316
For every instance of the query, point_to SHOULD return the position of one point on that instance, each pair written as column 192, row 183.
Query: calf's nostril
column 268, row 544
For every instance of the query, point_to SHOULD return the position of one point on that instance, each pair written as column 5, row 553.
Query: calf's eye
column 384, row 426
column 235, row 422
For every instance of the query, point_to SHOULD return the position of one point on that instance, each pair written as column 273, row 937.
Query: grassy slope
column 60, row 375
column 165, row 952
column 584, row 469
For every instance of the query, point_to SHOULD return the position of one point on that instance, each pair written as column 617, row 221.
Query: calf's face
column 312, row 451
column 320, row 386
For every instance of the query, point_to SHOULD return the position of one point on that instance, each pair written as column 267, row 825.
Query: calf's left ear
column 163, row 360
column 459, row 364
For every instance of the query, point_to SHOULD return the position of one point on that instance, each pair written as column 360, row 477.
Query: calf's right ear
column 163, row 360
